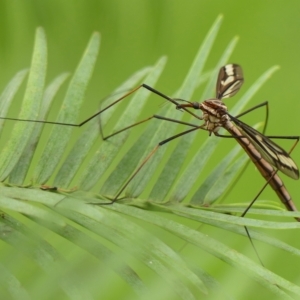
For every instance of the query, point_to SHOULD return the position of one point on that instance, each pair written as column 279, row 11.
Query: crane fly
column 265, row 154
column 268, row 157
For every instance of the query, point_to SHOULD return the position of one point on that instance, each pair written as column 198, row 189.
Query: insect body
column 265, row 154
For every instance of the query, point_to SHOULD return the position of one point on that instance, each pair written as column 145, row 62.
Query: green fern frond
column 76, row 250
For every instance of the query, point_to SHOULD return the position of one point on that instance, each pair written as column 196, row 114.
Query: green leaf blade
column 19, row 172
column 60, row 135
column 31, row 105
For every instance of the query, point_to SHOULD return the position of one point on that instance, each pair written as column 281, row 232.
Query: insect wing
column 270, row 151
column 229, row 81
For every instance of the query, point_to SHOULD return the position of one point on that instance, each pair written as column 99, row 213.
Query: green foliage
column 77, row 250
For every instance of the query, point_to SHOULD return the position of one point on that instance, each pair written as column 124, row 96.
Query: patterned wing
column 229, row 81
column 270, row 151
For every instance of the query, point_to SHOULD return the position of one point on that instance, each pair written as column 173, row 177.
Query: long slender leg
column 104, row 109
column 266, row 104
column 148, row 119
column 256, row 197
column 244, row 168
column 84, row 121
column 146, row 160
column 265, row 185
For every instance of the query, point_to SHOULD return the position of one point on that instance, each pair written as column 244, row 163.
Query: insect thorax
column 214, row 114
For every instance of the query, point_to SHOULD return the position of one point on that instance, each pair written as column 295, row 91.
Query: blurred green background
column 136, row 33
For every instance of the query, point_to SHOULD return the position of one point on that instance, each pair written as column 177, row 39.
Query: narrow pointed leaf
column 19, row 172
column 211, row 182
column 31, row 105
column 60, row 135
column 9, row 92
column 224, row 181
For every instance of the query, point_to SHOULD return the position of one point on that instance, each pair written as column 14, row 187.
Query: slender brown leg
column 145, row 161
